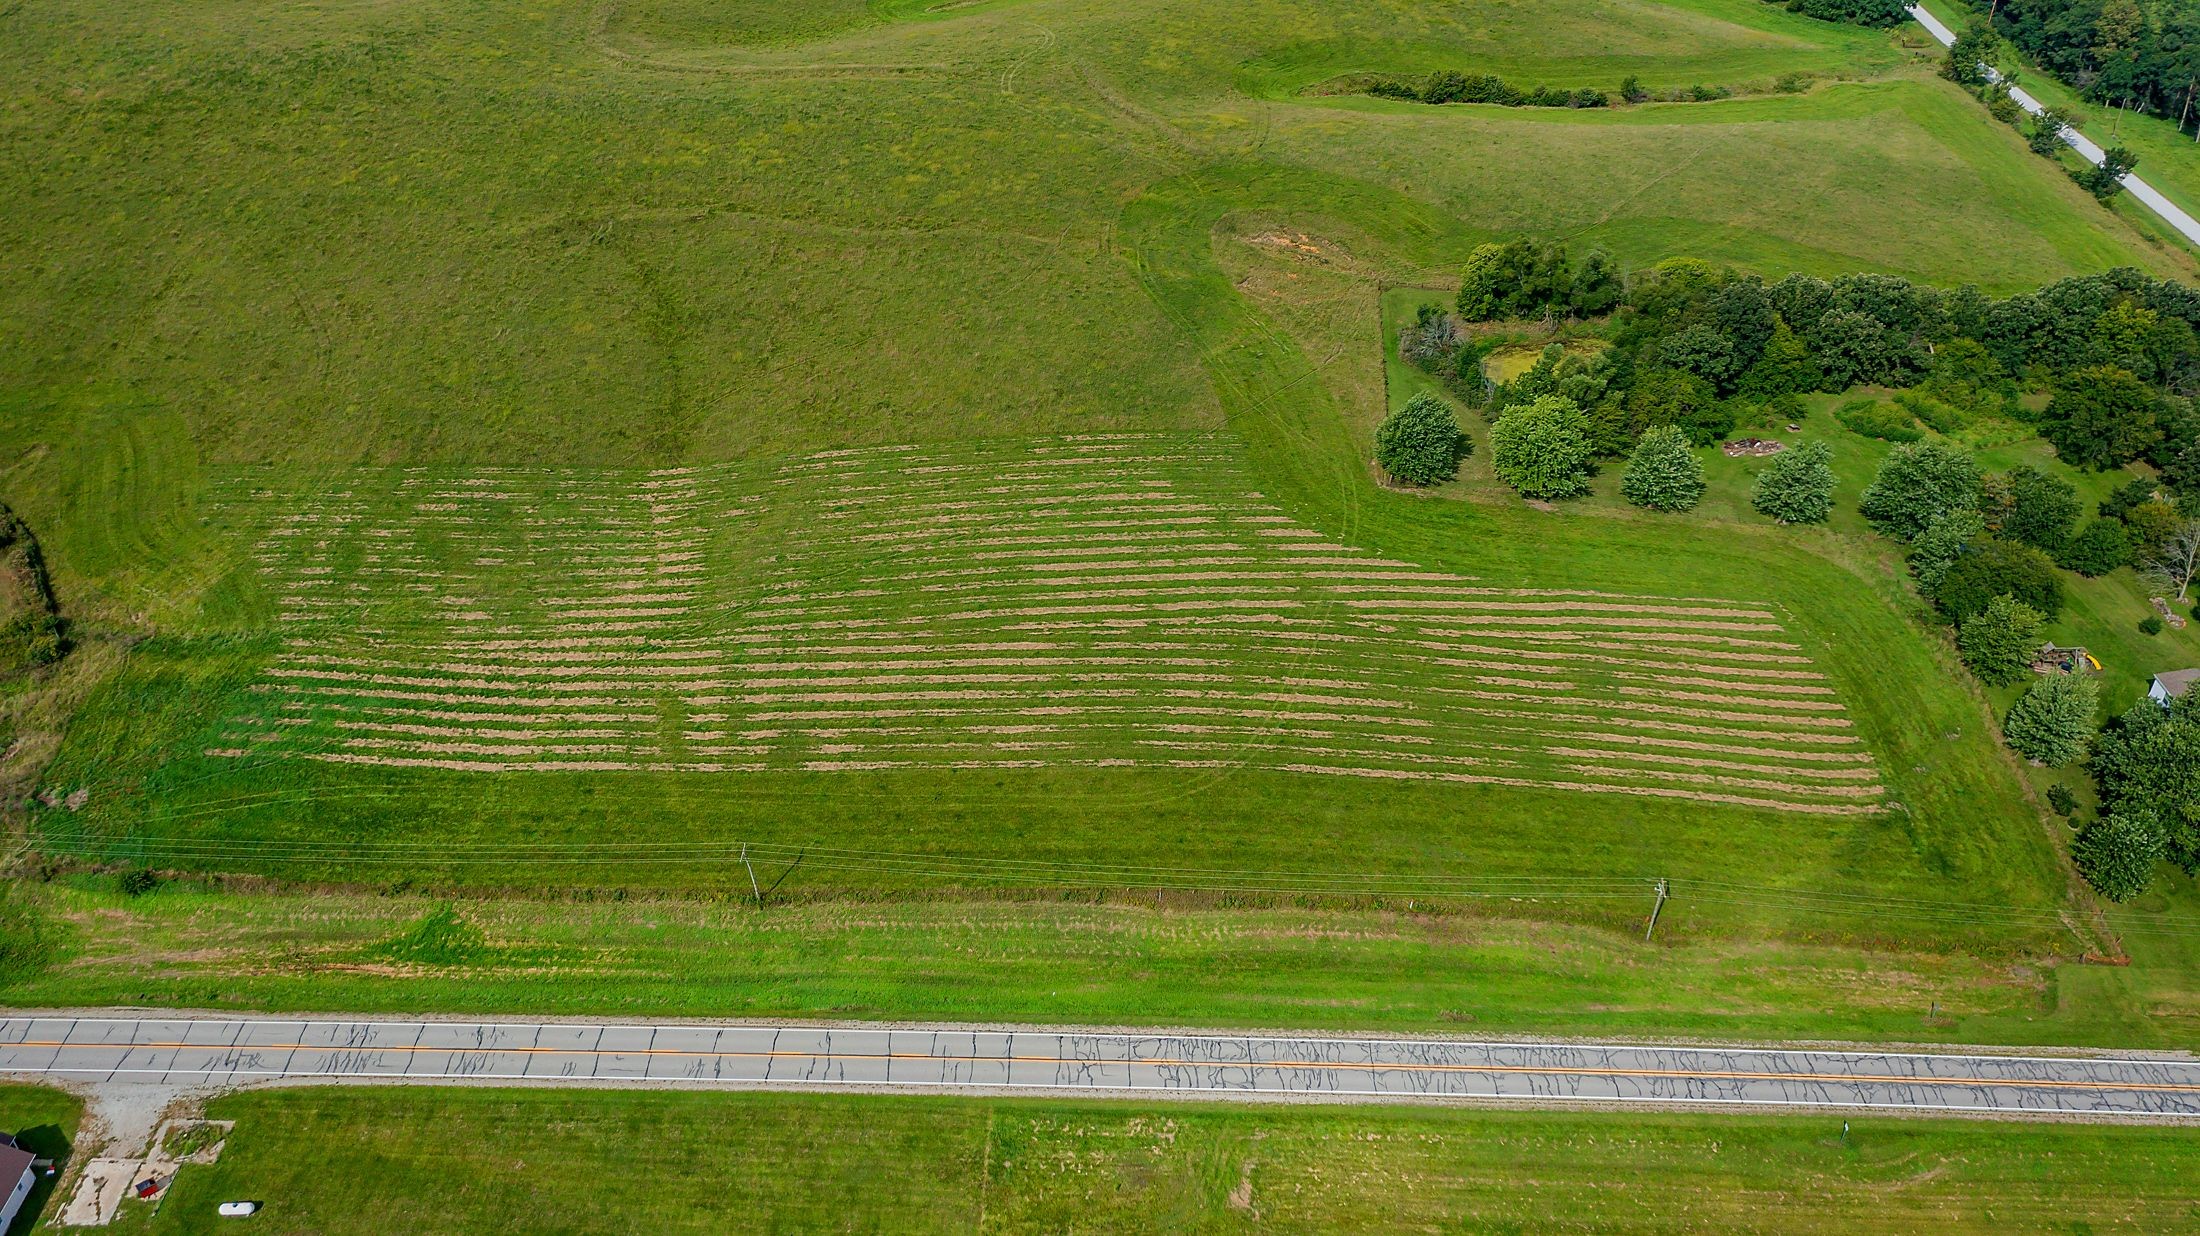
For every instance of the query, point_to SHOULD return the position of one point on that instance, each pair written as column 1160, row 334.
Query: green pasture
column 1513, row 964
column 330, row 1160
column 286, row 262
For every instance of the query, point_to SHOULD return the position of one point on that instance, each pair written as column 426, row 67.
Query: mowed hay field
column 482, row 431
column 1090, row 602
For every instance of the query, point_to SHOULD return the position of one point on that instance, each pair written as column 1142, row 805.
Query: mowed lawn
column 459, row 430
column 44, row 1121
column 332, row 1160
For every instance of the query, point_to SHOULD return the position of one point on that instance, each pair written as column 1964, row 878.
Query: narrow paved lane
column 211, row 1052
column 2185, row 224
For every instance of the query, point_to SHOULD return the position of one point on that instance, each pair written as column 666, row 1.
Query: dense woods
column 2141, row 54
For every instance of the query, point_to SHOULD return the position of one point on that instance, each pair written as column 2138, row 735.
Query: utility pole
column 1663, row 890
column 754, row 887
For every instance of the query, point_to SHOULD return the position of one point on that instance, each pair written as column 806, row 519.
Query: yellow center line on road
column 1171, row 1062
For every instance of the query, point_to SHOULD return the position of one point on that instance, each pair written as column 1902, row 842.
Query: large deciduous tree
column 1542, row 448
column 2147, row 763
column 1420, row 443
column 1986, row 569
column 2117, row 855
column 2101, row 417
column 2052, row 720
column 1936, row 548
column 2041, row 511
column 1917, row 484
column 2173, row 560
column 1999, row 641
column 1663, row 473
column 1797, row 488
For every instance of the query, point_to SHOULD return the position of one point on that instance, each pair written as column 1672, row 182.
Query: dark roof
column 14, row 1161
column 2177, row 682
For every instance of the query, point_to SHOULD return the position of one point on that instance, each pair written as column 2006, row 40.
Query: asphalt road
column 2185, row 224
column 217, row 1053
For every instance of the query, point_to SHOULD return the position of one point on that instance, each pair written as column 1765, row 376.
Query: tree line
column 1880, row 13
column 2137, row 54
column 1703, row 348
column 1452, row 86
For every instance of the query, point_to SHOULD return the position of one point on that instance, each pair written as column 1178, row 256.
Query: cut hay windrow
column 1127, row 602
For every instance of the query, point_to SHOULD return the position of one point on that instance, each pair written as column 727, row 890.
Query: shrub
column 1876, row 420
column 2117, row 855
column 1663, row 473
column 1420, row 443
column 1939, row 417
column 137, row 881
column 2150, row 625
column 1987, row 569
column 2051, row 721
column 1542, row 448
column 2062, row 800
column 1998, row 641
column 1797, row 488
column 1631, row 89
column 1916, row 485
column 2099, row 547
column 31, row 639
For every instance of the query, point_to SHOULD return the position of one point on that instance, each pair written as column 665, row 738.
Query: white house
column 16, row 1179
column 2172, row 684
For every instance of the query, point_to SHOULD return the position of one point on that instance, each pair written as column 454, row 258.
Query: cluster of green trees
column 2138, row 54
column 1983, row 548
column 1691, row 347
column 1881, row 13
column 1449, row 86
column 2147, row 765
column 1706, row 348
column 1537, row 279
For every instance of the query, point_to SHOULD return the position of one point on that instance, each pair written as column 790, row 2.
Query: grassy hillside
column 466, row 435
column 341, row 1160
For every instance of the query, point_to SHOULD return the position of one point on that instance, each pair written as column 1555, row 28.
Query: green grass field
column 45, row 1121
column 1514, row 964
column 360, row 1160
column 547, row 448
